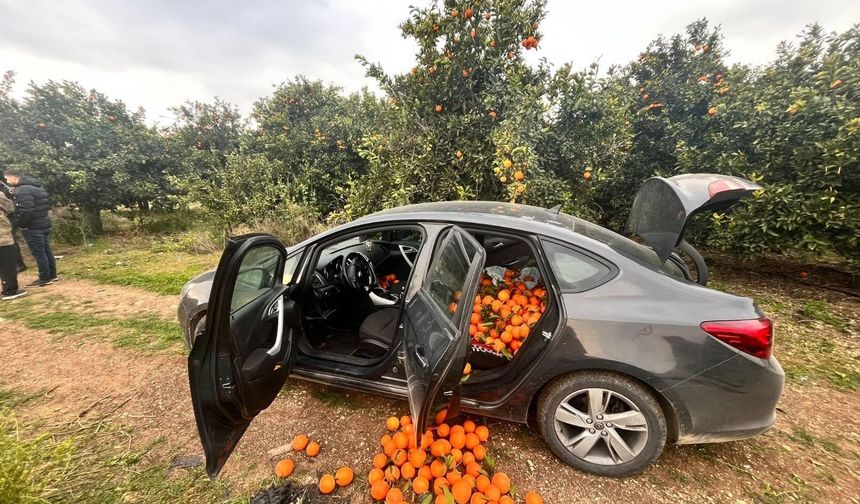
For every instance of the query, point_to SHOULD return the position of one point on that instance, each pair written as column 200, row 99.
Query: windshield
column 625, row 246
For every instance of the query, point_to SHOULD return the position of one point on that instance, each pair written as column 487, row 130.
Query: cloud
column 157, row 54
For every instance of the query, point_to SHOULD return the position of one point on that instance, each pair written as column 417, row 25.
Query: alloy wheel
column 601, row 426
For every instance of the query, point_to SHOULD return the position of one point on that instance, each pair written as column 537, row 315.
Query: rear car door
column 436, row 323
column 240, row 362
column 663, row 206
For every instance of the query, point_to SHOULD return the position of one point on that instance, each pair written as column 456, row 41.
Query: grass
column 56, row 315
column 89, row 462
column 135, row 262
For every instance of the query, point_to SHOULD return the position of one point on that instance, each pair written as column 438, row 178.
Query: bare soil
column 811, row 454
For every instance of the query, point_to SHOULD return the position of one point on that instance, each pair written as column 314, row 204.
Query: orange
column 470, row 479
column 504, row 295
column 456, row 455
column 441, row 499
column 439, row 485
column 401, row 440
column 458, row 440
column 426, row 440
column 480, row 452
column 424, row 472
column 407, row 471
column 461, row 491
column 502, row 481
column 482, row 483
column 524, row 332
column 518, row 175
column 375, row 475
column 467, row 369
column 506, row 499
column 327, row 484
column 300, row 442
column 406, row 419
column 380, row 460
column 386, row 438
column 443, row 430
column 438, row 108
column 417, row 457
column 488, row 300
column 516, row 320
column 533, row 498
column 399, row 457
column 472, row 440
column 474, row 469
column 389, row 448
column 440, row 448
column 493, row 493
column 393, row 423
column 483, row 432
column 468, row 458
column 284, row 468
column 313, row 449
column 453, row 476
column 438, row 468
column 441, row 416
column 420, row 485
column 507, row 163
column 478, row 498
column 469, row 426
column 392, row 474
column 475, row 319
column 343, row 476
column 395, row 496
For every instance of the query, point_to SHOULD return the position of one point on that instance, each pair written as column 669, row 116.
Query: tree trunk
column 93, row 220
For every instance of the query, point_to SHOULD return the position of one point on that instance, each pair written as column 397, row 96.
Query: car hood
column 195, row 293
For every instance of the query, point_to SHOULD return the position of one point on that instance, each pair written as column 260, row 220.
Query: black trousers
column 8, row 269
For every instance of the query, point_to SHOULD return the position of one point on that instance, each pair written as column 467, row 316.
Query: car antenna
column 556, row 209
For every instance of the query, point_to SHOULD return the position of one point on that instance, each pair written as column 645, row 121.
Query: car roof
column 517, row 216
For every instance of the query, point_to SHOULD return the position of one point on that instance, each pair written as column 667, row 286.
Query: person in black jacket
column 19, row 259
column 32, row 218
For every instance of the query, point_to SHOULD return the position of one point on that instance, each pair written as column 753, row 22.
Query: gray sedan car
column 625, row 348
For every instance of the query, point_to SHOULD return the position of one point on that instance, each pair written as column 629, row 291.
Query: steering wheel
column 358, row 272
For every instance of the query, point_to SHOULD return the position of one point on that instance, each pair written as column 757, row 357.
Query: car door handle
column 279, row 335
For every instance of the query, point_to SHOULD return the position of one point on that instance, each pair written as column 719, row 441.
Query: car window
column 575, row 271
column 290, row 268
column 626, row 247
column 257, row 275
column 448, row 272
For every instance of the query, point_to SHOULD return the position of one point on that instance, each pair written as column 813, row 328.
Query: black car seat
column 377, row 331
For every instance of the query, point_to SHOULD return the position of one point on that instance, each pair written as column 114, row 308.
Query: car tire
column 574, row 427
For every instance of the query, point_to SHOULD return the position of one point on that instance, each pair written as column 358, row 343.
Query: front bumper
column 733, row 400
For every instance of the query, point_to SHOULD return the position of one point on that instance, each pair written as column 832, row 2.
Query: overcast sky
column 157, row 54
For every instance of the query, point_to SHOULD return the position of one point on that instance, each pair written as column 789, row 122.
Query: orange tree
column 91, row 152
column 464, row 123
column 314, row 131
column 799, row 120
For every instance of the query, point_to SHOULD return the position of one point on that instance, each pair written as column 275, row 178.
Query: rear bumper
column 733, row 400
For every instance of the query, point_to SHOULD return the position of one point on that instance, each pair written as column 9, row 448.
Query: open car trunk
column 663, row 206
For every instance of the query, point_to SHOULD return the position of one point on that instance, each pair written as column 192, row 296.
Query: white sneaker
column 9, row 297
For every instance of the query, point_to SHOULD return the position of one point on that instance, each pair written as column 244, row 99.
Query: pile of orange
column 388, row 280
column 448, row 461
column 503, row 315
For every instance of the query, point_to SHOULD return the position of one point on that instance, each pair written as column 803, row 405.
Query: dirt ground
column 811, row 454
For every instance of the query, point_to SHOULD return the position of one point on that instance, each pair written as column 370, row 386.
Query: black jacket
column 33, row 204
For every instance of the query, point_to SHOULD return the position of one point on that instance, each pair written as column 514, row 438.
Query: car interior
column 353, row 303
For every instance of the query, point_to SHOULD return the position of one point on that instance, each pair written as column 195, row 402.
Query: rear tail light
column 754, row 337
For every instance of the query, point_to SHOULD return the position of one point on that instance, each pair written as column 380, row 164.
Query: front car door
column 241, row 361
column 436, row 322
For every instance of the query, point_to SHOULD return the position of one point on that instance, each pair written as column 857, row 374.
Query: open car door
column 436, row 323
column 241, row 361
column 663, row 206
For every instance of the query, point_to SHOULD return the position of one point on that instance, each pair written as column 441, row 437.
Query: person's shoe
column 9, row 297
column 55, row 279
column 39, row 283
